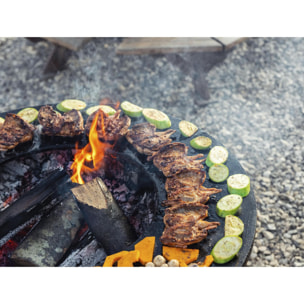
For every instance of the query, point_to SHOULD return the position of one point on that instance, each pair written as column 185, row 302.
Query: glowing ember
column 90, row 158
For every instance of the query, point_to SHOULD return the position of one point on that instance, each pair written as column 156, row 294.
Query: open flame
column 90, row 158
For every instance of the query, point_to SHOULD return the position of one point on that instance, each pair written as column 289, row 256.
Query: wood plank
column 71, row 43
column 166, row 45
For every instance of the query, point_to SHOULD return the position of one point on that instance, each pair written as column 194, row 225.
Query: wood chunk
column 50, row 239
column 104, row 217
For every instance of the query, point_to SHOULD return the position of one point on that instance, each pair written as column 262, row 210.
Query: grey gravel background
column 256, row 110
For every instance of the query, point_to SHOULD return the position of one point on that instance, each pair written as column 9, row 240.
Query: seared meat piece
column 54, row 124
column 72, row 124
column 199, row 195
column 184, row 234
column 172, row 159
column 184, row 213
column 185, row 225
column 14, row 131
column 186, row 179
column 50, row 120
column 109, row 128
column 146, row 140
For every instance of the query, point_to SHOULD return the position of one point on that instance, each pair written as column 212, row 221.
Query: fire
column 90, row 158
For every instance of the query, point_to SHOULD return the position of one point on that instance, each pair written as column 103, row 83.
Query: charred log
column 111, row 227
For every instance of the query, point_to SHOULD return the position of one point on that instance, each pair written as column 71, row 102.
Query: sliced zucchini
column 233, row 225
column 228, row 205
column 218, row 173
column 187, row 128
column 201, row 143
column 226, row 249
column 131, row 109
column 71, row 104
column 217, row 155
column 106, row 109
column 60, row 108
column 238, row 184
column 157, row 118
column 28, row 114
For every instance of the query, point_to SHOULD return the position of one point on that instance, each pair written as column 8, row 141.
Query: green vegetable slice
column 218, row 173
column 106, row 109
column 131, row 109
column 1, row 120
column 201, row 142
column 233, row 225
column 70, row 104
column 238, row 184
column 228, row 205
column 60, row 108
column 187, row 128
column 28, row 114
column 157, row 118
column 217, row 155
column 226, row 249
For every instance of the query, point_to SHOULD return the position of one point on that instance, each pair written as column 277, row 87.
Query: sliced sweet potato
column 113, row 258
column 146, row 249
column 207, row 262
column 183, row 255
column 128, row 259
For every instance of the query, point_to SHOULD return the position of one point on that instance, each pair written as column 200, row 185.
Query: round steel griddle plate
column 247, row 213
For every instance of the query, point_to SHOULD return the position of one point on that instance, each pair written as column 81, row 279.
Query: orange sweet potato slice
column 128, row 259
column 146, row 249
column 113, row 258
column 183, row 255
column 207, row 262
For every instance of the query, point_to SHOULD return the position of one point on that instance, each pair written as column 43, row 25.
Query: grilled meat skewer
column 14, row 131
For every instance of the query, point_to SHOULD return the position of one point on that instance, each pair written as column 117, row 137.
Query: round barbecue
column 136, row 184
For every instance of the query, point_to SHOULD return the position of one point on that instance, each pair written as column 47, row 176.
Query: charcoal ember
column 23, row 174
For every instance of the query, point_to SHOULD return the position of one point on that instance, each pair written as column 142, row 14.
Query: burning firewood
column 103, row 215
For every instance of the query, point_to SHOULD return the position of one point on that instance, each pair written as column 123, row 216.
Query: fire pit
column 40, row 171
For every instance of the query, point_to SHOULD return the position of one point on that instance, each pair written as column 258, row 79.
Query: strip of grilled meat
column 187, row 186
column 14, row 131
column 185, row 225
column 146, row 140
column 172, row 159
column 54, row 124
column 185, row 212
column 186, row 179
column 109, row 128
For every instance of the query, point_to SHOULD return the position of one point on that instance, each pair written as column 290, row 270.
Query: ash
column 21, row 175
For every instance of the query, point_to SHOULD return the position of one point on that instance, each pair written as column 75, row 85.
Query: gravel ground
column 256, row 110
